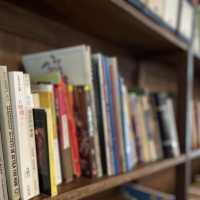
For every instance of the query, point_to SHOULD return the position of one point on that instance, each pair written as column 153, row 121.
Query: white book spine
column 31, row 135
column 8, row 137
column 3, row 185
column 20, row 130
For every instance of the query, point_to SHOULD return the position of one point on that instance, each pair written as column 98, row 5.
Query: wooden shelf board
column 115, row 21
column 83, row 188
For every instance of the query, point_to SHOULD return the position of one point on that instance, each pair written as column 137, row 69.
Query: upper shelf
column 113, row 20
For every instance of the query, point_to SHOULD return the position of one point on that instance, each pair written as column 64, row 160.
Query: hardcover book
column 8, row 137
column 42, row 149
column 84, row 130
column 64, row 135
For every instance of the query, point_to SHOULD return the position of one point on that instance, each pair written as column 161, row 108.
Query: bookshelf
column 121, row 30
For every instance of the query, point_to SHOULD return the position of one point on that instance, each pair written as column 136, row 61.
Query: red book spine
column 65, row 147
column 73, row 132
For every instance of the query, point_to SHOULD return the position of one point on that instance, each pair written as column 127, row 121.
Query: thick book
column 3, row 184
column 139, row 192
column 194, row 141
column 42, row 149
column 64, row 134
column 102, row 109
column 84, row 130
column 8, row 136
column 47, row 100
column 26, row 158
column 114, row 74
column 73, row 131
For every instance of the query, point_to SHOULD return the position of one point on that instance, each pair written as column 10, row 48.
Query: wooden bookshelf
column 113, row 27
column 78, row 190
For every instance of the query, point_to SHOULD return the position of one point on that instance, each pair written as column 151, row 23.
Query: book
column 115, row 149
column 114, row 74
column 27, row 166
column 186, row 20
column 3, row 184
column 8, row 137
column 195, row 139
column 157, row 7
column 139, row 192
column 36, row 100
column 128, row 134
column 148, row 119
column 73, row 131
column 102, row 114
column 47, row 101
column 84, row 130
column 42, row 149
column 166, row 119
column 171, row 12
column 28, row 106
column 64, row 135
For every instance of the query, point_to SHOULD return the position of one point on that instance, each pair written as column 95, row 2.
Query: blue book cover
column 111, row 115
column 140, row 192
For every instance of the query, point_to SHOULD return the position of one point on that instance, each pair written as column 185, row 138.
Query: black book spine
column 160, row 100
column 41, row 136
column 97, row 89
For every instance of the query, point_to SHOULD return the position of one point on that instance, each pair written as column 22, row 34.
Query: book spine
column 136, row 124
column 106, row 117
column 31, row 135
column 148, row 125
column 115, row 149
column 52, row 164
column 73, row 132
column 16, row 81
column 8, row 137
column 42, row 150
column 3, row 184
column 67, row 168
column 117, row 114
column 99, row 111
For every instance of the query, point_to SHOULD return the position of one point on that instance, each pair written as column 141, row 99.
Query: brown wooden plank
column 86, row 188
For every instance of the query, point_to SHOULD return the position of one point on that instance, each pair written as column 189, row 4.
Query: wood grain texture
column 85, row 188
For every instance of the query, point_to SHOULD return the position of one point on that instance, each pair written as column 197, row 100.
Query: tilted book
column 3, row 184
column 8, row 136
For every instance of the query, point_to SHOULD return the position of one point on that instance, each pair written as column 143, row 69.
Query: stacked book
column 76, row 118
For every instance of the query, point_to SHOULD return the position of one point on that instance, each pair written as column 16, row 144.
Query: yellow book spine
column 54, row 190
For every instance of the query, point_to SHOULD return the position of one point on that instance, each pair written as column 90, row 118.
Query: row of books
column 196, row 125
column 176, row 15
column 138, row 192
column 76, row 119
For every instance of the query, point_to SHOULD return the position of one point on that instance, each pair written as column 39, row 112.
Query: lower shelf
column 83, row 187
